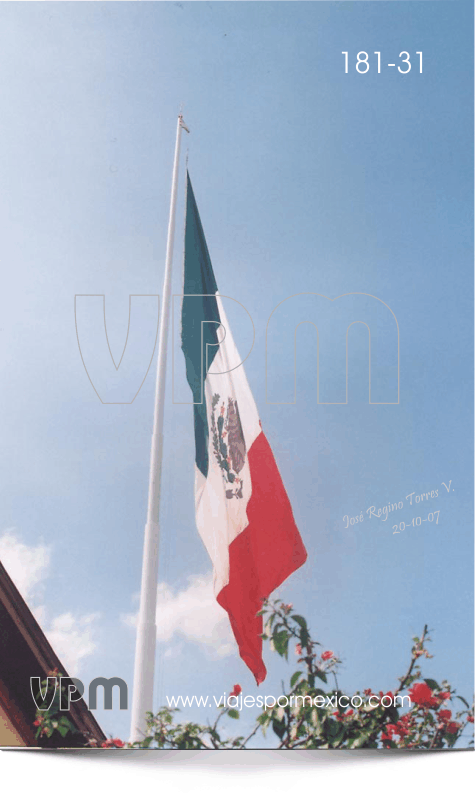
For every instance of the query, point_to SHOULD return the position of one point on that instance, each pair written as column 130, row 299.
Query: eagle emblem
column 228, row 443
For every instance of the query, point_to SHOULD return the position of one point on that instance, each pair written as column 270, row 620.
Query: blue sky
column 308, row 180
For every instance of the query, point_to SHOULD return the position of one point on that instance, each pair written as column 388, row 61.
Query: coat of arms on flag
column 243, row 513
column 228, row 443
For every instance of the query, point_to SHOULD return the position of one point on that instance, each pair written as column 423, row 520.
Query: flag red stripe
column 262, row 556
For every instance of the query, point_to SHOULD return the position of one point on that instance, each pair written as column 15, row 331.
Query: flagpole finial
column 182, row 122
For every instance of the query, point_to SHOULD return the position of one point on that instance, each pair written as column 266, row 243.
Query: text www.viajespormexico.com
column 268, row 701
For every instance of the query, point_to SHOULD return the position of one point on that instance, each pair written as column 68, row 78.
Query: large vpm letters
column 180, row 385
column 111, row 385
column 334, row 321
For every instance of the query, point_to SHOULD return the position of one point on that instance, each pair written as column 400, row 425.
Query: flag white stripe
column 221, row 519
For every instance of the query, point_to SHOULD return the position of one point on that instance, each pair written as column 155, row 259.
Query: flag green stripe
column 199, row 279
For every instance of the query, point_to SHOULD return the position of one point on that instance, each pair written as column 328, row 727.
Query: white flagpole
column 142, row 700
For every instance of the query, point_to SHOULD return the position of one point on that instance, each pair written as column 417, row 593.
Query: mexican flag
column 243, row 513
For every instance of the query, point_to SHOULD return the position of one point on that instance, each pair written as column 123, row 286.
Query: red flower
column 453, row 727
column 298, row 650
column 38, row 721
column 344, row 716
column 422, row 695
column 444, row 695
column 236, row 691
column 118, row 742
column 394, row 730
column 401, row 730
column 444, row 715
column 470, row 718
column 368, row 691
column 327, row 655
column 387, row 734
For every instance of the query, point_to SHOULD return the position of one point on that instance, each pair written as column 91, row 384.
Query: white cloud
column 193, row 614
column 27, row 565
column 72, row 636
column 174, row 651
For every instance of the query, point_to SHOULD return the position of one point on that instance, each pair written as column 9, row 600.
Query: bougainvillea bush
column 419, row 713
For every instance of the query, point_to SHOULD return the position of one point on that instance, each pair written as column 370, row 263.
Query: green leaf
column 279, row 728
column 263, row 719
column 320, row 674
column 358, row 741
column 281, row 642
column 304, row 637
column 392, row 713
column 451, row 738
column 64, row 721
column 233, row 714
column 332, row 728
column 463, row 701
column 63, row 730
column 295, row 678
column 431, row 683
column 338, row 738
column 300, row 620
